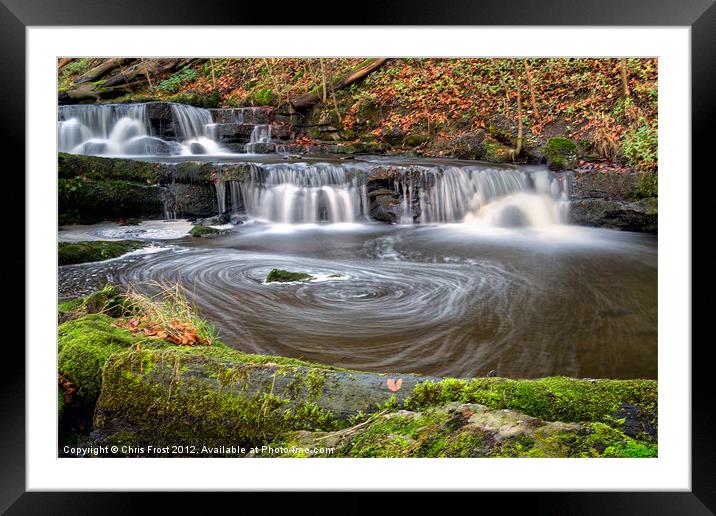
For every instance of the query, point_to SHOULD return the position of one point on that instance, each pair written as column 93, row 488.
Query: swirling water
column 454, row 299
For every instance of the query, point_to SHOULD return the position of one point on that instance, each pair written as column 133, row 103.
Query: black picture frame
column 16, row 15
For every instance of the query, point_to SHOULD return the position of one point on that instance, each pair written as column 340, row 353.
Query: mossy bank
column 144, row 390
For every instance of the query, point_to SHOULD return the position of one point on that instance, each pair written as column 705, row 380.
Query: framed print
column 415, row 256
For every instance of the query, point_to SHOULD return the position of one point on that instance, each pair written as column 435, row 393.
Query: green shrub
column 640, row 147
column 263, row 97
column 172, row 84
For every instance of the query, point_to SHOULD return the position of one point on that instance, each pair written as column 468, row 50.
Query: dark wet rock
column 612, row 200
column 194, row 200
column 385, row 208
column 635, row 424
column 469, row 146
column 631, row 216
column 232, row 133
column 261, row 148
column 88, row 201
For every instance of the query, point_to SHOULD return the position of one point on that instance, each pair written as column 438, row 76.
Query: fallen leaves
column 176, row 332
column 394, row 385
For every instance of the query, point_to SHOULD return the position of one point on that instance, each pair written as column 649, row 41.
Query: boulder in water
column 282, row 276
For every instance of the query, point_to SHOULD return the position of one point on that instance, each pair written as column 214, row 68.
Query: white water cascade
column 260, row 134
column 125, row 130
column 492, row 197
column 301, row 194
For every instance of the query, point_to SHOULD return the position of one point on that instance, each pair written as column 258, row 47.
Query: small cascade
column 151, row 129
column 301, row 194
column 260, row 139
column 221, row 195
column 406, row 192
column 236, row 200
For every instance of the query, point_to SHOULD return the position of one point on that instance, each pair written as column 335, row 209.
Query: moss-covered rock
column 464, row 430
column 71, row 166
column 199, row 231
column 550, row 399
column 560, row 153
column 282, row 276
column 85, row 344
column 87, row 201
column 648, row 186
column 94, row 251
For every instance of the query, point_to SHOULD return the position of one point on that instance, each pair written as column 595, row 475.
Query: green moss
column 94, row 251
column 560, row 153
column 85, row 344
column 211, row 100
column 550, row 399
column 71, row 166
column 282, row 276
column 601, row 440
column 263, row 97
column 70, row 305
column 494, row 152
column 201, row 231
column 648, row 186
column 415, row 140
column 168, row 404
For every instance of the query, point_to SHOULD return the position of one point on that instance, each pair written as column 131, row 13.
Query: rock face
column 616, row 200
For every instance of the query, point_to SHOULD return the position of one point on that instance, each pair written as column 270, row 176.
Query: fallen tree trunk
column 305, row 101
column 100, row 71
column 124, row 81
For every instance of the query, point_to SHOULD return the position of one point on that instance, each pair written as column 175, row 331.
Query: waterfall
column 261, row 134
column 130, row 130
column 301, row 193
column 220, row 195
column 494, row 197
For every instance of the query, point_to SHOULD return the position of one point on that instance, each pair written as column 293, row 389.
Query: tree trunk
column 100, row 71
column 306, row 101
column 625, row 78
column 530, row 85
column 324, row 80
column 518, row 84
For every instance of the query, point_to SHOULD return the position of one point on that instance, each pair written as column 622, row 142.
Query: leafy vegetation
column 173, row 83
column 607, row 105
